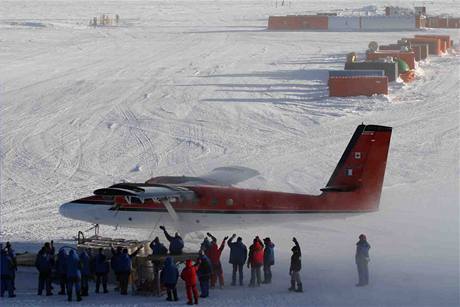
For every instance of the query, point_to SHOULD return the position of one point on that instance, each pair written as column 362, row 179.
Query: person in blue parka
column 168, row 277
column 238, row 256
column 85, row 272
column 73, row 275
column 362, row 260
column 124, row 267
column 269, row 260
column 101, row 268
column 7, row 273
column 44, row 263
column 61, row 270
column 157, row 247
column 176, row 244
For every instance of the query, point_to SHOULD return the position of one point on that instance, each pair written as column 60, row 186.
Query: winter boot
column 169, row 298
column 292, row 288
column 299, row 287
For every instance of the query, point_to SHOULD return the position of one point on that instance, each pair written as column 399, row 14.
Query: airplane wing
column 221, row 176
column 230, row 175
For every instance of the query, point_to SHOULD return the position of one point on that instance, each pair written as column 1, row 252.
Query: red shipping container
column 314, row 22
column 277, row 23
column 406, row 56
column 298, row 22
column 444, row 38
column 453, row 23
column 357, row 86
column 294, row 22
column 442, row 23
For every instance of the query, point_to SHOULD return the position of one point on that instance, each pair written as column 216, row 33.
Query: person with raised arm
column 238, row 256
column 176, row 244
column 214, row 253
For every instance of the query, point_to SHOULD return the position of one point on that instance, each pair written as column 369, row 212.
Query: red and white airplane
column 211, row 202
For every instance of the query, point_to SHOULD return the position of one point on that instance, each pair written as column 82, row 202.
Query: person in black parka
column 204, row 273
column 44, row 263
column 101, row 268
column 85, row 272
column 7, row 273
column 296, row 266
column 362, row 260
column 238, row 256
column 10, row 251
column 114, row 264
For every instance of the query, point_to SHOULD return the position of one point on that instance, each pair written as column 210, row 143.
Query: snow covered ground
column 182, row 87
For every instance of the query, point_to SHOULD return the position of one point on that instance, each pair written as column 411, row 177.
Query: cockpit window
column 135, row 200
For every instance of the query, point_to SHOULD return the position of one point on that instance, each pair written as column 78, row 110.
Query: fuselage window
column 214, row 201
column 229, row 202
column 349, row 172
column 357, row 155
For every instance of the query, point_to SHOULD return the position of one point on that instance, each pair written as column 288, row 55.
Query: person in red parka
column 189, row 276
column 213, row 254
column 256, row 260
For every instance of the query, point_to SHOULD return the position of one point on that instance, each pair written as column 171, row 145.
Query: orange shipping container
column 357, row 86
column 408, row 57
column 445, row 38
column 433, row 43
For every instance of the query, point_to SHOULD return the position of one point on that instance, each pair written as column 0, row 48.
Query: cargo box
column 434, row 43
column 408, row 57
column 445, row 38
column 357, row 72
column 388, row 23
column 297, row 22
column 424, row 50
column 344, row 23
column 357, row 86
column 390, row 69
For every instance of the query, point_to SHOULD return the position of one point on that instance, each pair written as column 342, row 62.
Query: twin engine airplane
column 211, row 202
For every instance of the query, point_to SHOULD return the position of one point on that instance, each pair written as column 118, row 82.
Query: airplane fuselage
column 207, row 203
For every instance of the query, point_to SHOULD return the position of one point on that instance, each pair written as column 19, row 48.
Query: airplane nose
column 67, row 210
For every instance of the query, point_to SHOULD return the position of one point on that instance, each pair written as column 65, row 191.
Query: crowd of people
column 74, row 269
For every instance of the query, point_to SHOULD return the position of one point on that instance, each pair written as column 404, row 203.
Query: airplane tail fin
column 361, row 168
